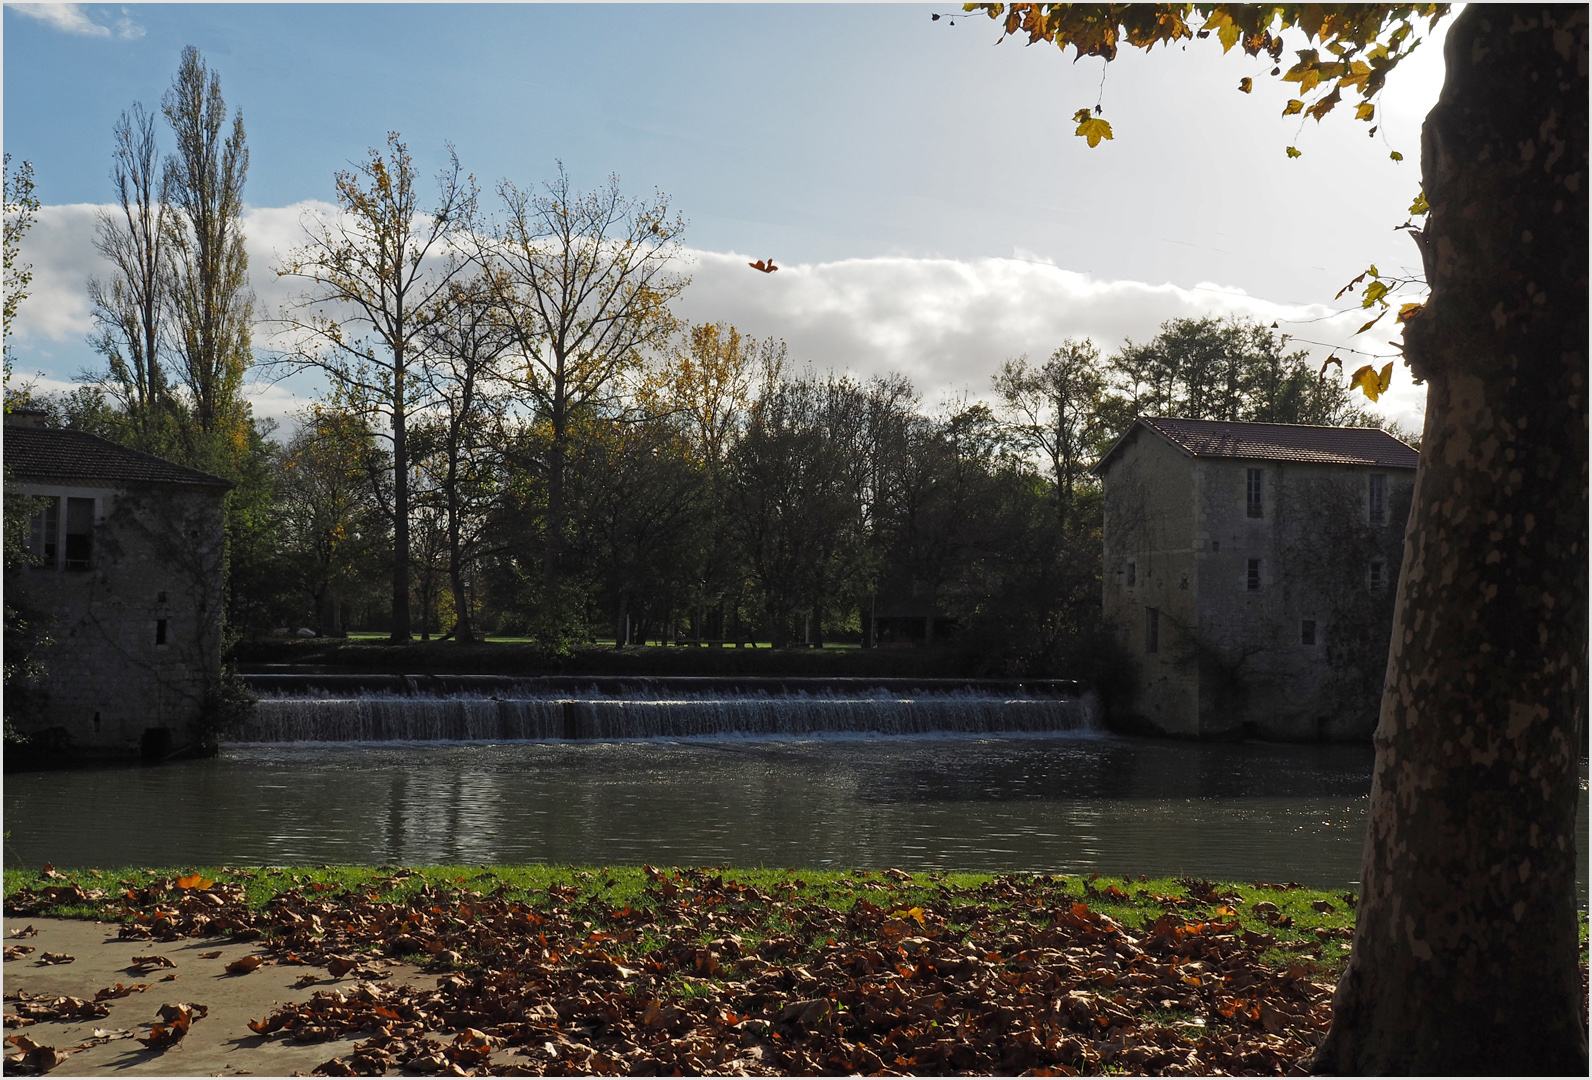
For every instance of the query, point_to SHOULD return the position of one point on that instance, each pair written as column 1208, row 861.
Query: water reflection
column 1068, row 804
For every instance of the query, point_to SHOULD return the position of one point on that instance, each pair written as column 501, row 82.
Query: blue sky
column 919, row 184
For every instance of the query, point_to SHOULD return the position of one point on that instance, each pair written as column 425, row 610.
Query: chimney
column 26, row 416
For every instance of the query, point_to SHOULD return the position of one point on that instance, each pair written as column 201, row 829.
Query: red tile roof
column 37, row 453
column 1275, row 442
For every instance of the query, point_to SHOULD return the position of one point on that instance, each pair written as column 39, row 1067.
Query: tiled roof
column 1277, row 442
column 35, row 453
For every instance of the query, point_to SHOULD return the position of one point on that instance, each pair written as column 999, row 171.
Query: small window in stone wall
column 1133, row 572
column 79, row 534
column 1376, row 576
column 1252, row 501
column 160, row 631
column 1152, row 630
column 1377, row 497
column 1252, row 576
column 1307, row 631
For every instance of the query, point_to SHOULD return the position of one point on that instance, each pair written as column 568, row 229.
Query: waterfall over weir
column 384, row 708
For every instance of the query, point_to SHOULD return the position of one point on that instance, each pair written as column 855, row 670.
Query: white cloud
column 75, row 19
column 945, row 323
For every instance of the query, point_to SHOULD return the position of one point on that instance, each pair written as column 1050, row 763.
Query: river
column 1068, row 803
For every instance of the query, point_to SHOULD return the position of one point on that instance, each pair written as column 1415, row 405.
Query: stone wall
column 135, row 649
column 1150, row 516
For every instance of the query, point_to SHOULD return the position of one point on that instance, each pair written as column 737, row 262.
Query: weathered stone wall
column 1150, row 514
column 1315, row 543
column 1233, row 660
column 110, row 688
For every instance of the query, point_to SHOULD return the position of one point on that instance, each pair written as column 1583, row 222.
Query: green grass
column 840, row 890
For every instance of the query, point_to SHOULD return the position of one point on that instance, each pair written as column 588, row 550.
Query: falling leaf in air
column 1092, row 128
column 767, row 267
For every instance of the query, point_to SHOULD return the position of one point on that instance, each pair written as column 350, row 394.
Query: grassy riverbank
column 644, row 971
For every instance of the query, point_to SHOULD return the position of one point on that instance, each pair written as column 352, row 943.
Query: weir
column 387, row 708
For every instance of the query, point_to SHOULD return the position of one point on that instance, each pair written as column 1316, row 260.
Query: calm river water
column 1055, row 803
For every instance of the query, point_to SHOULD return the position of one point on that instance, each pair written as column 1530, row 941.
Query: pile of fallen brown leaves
column 710, row 976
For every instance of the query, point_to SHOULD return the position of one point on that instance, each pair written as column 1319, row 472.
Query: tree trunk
column 558, row 452
column 400, row 524
column 1465, row 951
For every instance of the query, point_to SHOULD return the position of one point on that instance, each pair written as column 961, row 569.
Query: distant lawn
column 378, row 636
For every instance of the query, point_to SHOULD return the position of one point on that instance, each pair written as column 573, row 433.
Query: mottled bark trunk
column 1465, row 951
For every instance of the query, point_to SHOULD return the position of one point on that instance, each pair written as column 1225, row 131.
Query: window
column 44, row 532
column 79, row 533
column 1376, row 577
column 1133, row 572
column 1152, row 630
column 1252, row 494
column 1378, row 498
column 1307, row 631
column 1252, row 577
column 160, row 631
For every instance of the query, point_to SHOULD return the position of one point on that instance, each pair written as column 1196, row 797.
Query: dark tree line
column 720, row 491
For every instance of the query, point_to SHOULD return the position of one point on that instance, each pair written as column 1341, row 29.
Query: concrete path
column 219, row 1044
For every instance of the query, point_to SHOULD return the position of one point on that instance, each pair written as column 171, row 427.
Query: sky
column 917, row 182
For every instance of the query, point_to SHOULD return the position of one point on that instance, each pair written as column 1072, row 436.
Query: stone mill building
column 1250, row 570
column 128, row 558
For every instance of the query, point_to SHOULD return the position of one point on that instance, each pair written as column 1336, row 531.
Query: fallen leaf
column 244, row 964
column 211, row 955
column 153, row 962
column 56, row 958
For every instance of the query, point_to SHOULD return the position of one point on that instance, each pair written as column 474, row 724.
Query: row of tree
column 518, row 436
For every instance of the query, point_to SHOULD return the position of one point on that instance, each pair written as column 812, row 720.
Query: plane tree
column 1465, row 951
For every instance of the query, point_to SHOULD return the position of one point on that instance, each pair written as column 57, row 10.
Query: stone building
column 128, row 584
column 1250, row 570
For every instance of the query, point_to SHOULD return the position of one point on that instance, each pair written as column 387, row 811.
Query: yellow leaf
column 194, row 881
column 1420, row 205
column 1229, row 36
column 1294, row 106
column 1094, row 129
column 1396, row 156
column 1408, row 312
column 1370, row 383
column 1292, row 152
column 1246, row 84
column 1364, row 111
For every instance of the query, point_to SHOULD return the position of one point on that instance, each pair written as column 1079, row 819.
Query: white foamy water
column 390, row 717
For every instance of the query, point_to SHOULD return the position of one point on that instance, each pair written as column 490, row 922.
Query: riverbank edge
column 1288, row 911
